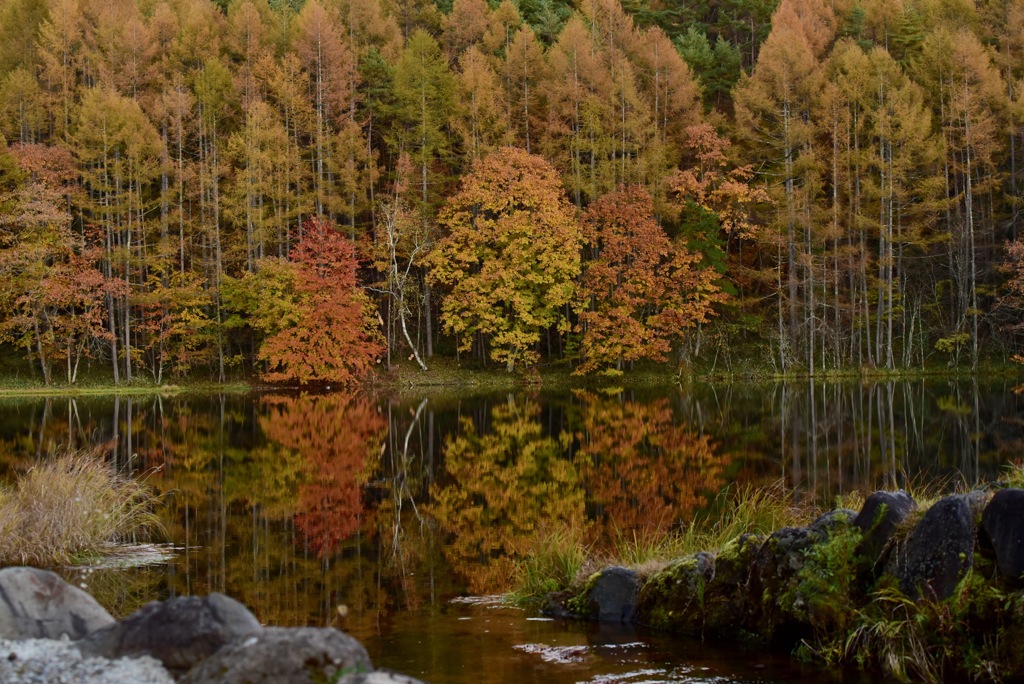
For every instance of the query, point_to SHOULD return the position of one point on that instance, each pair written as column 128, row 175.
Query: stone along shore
column 53, row 632
column 936, row 594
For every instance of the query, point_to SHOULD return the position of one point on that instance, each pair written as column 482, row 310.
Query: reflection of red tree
column 337, row 437
column 642, row 470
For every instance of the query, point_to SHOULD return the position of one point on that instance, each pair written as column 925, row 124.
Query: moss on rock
column 673, row 599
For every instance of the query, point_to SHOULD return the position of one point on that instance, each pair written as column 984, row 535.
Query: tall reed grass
column 70, row 506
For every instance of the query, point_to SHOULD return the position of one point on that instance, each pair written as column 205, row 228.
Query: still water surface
column 396, row 519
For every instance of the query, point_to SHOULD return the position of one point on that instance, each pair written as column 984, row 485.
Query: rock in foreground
column 179, row 632
column 39, row 604
column 199, row 639
column 303, row 655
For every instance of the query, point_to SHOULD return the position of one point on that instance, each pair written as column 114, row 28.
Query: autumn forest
column 314, row 191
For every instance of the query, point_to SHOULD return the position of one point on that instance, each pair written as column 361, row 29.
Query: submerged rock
column 1003, row 524
column 938, row 552
column 179, row 632
column 39, row 604
column 297, row 655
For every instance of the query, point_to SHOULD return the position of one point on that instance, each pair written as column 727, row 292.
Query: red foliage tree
column 335, row 337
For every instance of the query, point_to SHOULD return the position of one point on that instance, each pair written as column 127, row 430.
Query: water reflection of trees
column 502, row 484
column 644, row 469
column 296, row 504
column 338, row 438
column 608, row 465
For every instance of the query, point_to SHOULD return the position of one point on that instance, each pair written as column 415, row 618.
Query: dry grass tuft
column 72, row 506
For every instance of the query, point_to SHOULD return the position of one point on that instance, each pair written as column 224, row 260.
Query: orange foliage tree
column 51, row 292
column 334, row 336
column 716, row 186
column 511, row 258
column 638, row 289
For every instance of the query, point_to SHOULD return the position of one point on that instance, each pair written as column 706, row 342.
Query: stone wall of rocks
column 197, row 640
column 804, row 582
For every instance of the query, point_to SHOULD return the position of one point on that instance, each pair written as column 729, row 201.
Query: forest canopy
column 308, row 191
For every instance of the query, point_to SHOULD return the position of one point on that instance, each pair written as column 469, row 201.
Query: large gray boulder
column 179, row 632
column 612, row 595
column 1003, row 523
column 878, row 519
column 938, row 552
column 39, row 604
column 283, row 655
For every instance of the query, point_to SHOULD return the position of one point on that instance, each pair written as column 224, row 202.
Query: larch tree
column 1014, row 299
column 118, row 153
column 673, row 99
column 510, row 259
column 503, row 23
column 60, row 51
column 465, row 26
column 23, row 115
column 424, row 98
column 256, row 199
column 522, row 74
column 969, row 100
column 324, row 51
column 773, row 113
column 482, row 120
column 884, row 194
column 577, row 92
column 424, row 92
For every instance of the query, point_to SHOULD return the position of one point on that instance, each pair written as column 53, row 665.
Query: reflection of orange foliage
column 642, row 470
column 337, row 437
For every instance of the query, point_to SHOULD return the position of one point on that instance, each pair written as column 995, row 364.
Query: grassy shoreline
column 44, row 391
column 447, row 375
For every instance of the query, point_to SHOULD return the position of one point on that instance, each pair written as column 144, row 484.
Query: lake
column 399, row 520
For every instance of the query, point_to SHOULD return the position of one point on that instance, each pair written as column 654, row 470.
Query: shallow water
column 391, row 518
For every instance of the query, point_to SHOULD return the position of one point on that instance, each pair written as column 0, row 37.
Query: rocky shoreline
column 52, row 631
column 917, row 594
